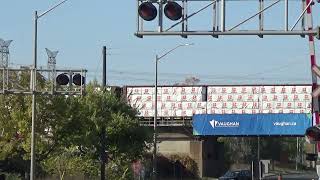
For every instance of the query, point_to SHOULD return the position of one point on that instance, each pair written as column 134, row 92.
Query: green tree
column 100, row 110
column 69, row 162
column 64, row 123
column 240, row 149
column 15, row 125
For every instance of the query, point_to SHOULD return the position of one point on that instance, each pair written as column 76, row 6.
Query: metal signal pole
column 33, row 85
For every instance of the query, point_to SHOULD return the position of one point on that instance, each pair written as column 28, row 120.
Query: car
column 236, row 175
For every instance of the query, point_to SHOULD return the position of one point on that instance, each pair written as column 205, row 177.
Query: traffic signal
column 313, row 134
column 173, row 11
column 148, row 11
column 78, row 80
column 64, row 79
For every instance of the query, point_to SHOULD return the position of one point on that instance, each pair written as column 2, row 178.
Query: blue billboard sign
column 251, row 124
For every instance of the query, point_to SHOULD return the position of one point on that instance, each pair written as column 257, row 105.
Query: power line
column 170, row 76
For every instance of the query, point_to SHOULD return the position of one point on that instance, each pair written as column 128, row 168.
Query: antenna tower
column 4, row 53
column 52, row 63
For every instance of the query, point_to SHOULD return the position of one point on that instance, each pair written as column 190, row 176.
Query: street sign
column 316, row 70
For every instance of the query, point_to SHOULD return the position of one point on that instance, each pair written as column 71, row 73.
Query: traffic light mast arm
column 254, row 15
column 172, row 10
column 313, row 32
column 303, row 12
column 185, row 19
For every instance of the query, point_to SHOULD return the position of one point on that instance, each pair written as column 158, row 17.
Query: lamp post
column 33, row 85
column 154, row 165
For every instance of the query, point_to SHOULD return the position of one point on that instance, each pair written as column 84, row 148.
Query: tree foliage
column 189, row 81
column 240, row 149
column 15, row 125
column 68, row 129
column 126, row 140
column 68, row 162
column 243, row 150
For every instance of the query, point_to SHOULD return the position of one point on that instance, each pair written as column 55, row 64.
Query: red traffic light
column 313, row 134
column 147, row 11
column 62, row 79
column 78, row 80
column 173, row 11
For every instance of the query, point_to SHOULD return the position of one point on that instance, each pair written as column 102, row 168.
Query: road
column 294, row 176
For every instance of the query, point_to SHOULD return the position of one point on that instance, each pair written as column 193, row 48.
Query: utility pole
column 259, row 165
column 104, row 71
column 104, row 156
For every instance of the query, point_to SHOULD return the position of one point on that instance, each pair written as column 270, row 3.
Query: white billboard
column 179, row 101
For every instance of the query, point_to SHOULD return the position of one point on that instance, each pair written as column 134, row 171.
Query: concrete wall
column 174, row 147
column 207, row 153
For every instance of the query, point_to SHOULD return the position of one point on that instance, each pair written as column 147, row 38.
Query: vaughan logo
column 284, row 123
column 216, row 124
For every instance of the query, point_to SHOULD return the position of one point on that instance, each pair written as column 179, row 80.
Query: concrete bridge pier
column 207, row 152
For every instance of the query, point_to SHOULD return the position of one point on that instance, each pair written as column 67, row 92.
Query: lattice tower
column 4, row 53
column 51, row 63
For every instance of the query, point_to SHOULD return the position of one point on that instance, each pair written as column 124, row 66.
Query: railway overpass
column 178, row 104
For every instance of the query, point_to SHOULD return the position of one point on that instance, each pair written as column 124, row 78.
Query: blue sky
column 79, row 29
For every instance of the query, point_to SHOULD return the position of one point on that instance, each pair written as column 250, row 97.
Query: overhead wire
column 117, row 74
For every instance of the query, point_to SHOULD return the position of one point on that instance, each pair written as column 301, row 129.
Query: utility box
column 264, row 167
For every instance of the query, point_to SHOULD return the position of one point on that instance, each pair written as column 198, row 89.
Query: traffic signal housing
column 78, row 80
column 149, row 12
column 63, row 79
column 313, row 134
column 173, row 11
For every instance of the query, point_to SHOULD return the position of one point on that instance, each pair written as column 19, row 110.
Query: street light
column 154, row 169
column 33, row 86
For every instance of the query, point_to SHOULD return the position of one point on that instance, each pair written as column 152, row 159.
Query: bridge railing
column 166, row 121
